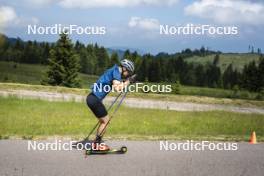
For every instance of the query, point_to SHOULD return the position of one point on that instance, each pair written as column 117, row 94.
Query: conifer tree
column 63, row 64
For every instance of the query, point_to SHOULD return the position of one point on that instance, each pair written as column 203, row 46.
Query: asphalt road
column 142, row 158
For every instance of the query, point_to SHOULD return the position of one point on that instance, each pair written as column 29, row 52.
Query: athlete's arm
column 119, row 85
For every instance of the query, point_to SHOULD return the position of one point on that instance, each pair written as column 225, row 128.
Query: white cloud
column 7, row 16
column 143, row 23
column 228, row 11
column 24, row 21
column 113, row 3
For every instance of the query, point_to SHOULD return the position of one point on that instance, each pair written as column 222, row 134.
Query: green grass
column 32, row 74
column 26, row 118
column 45, row 88
column 151, row 96
column 212, row 92
column 21, row 73
column 238, row 60
column 217, row 92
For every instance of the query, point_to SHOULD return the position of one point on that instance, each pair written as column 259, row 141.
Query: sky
column 136, row 23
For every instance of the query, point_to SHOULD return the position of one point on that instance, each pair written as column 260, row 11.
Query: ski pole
column 120, row 102
column 108, row 109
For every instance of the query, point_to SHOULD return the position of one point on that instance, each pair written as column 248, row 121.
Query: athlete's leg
column 103, row 121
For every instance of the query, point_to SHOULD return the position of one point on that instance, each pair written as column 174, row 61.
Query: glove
column 132, row 79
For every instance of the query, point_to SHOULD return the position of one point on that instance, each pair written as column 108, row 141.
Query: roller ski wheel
column 122, row 150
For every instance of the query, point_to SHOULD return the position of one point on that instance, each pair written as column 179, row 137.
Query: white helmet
column 128, row 64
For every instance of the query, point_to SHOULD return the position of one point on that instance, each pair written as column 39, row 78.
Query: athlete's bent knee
column 104, row 120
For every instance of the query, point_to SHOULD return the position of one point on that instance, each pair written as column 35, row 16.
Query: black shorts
column 96, row 106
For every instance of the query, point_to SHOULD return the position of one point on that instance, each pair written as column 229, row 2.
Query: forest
column 163, row 67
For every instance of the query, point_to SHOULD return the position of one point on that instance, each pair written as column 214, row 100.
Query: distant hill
column 237, row 59
column 120, row 53
column 9, row 39
column 121, row 50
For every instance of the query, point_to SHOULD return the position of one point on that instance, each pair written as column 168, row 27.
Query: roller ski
column 121, row 150
column 99, row 147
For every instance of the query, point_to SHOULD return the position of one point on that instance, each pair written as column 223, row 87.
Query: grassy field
column 151, row 96
column 32, row 74
column 238, row 60
column 215, row 92
column 24, row 118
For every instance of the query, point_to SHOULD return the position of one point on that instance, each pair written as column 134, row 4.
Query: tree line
column 174, row 69
column 163, row 67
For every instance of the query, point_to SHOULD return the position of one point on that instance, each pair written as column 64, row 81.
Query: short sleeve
column 117, row 74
